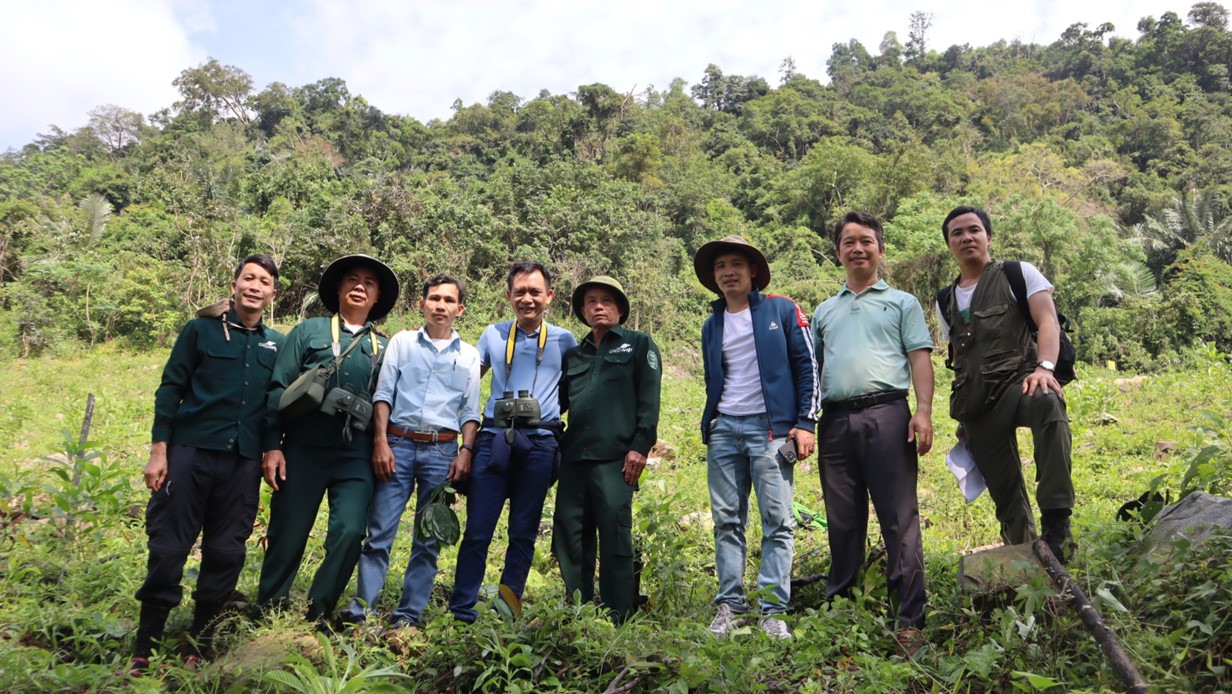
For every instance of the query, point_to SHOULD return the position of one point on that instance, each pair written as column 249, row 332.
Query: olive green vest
column 992, row 351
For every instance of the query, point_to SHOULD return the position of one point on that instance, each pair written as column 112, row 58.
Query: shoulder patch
column 652, row 359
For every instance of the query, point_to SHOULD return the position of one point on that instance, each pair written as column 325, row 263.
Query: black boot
column 205, row 620
column 1055, row 524
column 150, row 627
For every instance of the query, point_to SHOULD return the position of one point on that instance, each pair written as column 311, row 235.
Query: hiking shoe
column 775, row 627
column 137, row 667
column 1057, row 535
column 723, row 621
column 910, row 641
column 192, row 662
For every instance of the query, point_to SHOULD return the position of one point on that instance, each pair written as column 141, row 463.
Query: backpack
column 1013, row 271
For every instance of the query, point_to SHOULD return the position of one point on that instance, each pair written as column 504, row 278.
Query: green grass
column 71, row 558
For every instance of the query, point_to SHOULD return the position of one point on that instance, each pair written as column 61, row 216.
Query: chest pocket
column 266, row 358
column 989, row 320
column 578, row 375
column 617, row 367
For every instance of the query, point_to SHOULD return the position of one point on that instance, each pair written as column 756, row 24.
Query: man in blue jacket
column 761, row 404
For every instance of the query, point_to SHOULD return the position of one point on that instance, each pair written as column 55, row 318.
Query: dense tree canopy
column 1105, row 160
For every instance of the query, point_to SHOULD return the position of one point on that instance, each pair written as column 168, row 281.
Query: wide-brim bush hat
column 703, row 262
column 579, row 293
column 328, row 288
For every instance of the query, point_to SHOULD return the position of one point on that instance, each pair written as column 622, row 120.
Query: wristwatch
column 1048, row 366
column 468, row 447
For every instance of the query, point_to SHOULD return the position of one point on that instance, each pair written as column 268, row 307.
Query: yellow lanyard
column 513, row 334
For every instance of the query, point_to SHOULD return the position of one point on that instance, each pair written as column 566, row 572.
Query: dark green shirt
column 309, row 345
column 612, row 395
column 212, row 395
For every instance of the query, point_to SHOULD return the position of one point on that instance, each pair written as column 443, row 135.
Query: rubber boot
column 205, row 620
column 1055, row 524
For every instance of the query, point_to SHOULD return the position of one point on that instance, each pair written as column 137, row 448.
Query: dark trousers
column 593, row 501
column 311, row 474
column 865, row 454
column 524, row 482
column 213, row 494
column 993, row 442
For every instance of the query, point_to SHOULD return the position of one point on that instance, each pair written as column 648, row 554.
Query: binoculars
column 345, row 401
column 513, row 412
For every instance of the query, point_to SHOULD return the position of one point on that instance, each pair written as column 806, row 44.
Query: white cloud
column 59, row 59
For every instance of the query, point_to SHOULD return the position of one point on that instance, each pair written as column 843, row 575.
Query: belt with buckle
column 424, row 436
column 863, row 402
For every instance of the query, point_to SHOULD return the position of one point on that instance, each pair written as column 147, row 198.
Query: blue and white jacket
column 784, row 343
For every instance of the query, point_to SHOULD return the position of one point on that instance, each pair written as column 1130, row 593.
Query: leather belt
column 423, row 436
column 863, row 402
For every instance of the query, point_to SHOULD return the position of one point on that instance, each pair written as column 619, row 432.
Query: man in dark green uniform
column 610, row 387
column 323, row 452
column 204, row 471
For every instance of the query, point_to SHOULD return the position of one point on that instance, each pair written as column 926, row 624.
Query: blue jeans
column 415, row 463
column 525, row 483
column 741, row 455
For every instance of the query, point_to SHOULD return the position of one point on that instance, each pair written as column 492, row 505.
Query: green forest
column 1106, row 161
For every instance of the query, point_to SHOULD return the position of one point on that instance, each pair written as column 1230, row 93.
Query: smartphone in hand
column 787, row 453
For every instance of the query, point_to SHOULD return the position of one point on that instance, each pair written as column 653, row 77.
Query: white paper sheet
column 960, row 462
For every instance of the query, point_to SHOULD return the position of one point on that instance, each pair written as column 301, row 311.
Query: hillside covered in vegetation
column 1106, row 161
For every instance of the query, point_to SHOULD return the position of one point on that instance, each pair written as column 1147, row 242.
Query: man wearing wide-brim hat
column 761, row 393
column 610, row 388
column 317, row 452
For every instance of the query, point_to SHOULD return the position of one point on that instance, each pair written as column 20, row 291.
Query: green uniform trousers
column 311, row 472
column 994, row 446
column 593, row 501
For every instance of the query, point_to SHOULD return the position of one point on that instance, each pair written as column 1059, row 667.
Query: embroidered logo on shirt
column 774, row 326
column 269, row 344
column 653, row 360
column 623, row 349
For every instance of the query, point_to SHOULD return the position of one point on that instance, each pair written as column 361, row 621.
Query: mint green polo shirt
column 862, row 340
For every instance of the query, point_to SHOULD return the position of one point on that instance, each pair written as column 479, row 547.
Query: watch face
column 1048, row 365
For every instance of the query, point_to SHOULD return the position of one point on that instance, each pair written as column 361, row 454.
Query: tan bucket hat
column 328, row 288
column 703, row 262
column 622, row 300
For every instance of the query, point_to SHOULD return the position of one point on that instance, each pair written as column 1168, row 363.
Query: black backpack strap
column 1013, row 272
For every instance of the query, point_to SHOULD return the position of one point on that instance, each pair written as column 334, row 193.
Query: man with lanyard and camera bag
column 1006, row 377
column 319, row 435
column 204, row 471
column 516, row 453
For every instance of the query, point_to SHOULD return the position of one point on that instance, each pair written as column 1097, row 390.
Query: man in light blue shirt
column 516, row 453
column 427, row 393
column 872, row 344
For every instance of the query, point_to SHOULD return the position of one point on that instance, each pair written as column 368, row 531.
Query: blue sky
column 61, row 58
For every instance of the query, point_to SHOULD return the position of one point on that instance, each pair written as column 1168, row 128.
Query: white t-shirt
column 741, row 376
column 440, row 344
column 1031, row 277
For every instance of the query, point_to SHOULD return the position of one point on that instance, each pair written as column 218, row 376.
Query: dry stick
column 85, row 436
column 1117, row 658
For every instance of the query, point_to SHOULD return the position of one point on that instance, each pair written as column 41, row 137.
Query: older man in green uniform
column 323, row 451
column 610, row 387
column 204, row 471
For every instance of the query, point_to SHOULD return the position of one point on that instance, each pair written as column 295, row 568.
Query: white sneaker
column 722, row 622
column 775, row 627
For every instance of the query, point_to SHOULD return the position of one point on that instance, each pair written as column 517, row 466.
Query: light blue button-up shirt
column 522, row 376
column 429, row 389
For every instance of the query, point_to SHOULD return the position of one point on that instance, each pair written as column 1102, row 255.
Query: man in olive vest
column 1003, row 379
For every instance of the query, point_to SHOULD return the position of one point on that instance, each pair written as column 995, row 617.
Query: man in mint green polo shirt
column 872, row 343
